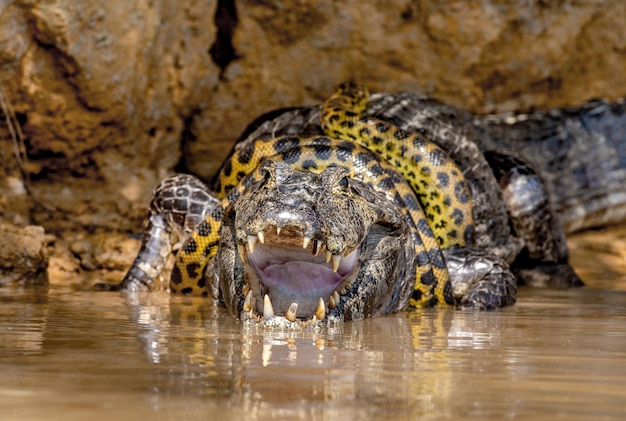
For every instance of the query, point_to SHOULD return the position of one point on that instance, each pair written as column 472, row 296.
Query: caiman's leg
column 544, row 261
column 178, row 204
column 479, row 278
column 156, row 247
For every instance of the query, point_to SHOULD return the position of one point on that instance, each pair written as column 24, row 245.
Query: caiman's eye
column 267, row 177
column 338, row 179
column 272, row 173
column 343, row 185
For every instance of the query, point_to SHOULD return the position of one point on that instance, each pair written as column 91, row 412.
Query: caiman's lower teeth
column 251, row 243
column 336, row 297
column 320, row 313
column 245, row 289
column 291, row 313
column 268, row 310
column 305, row 242
column 331, row 302
column 336, row 262
column 247, row 304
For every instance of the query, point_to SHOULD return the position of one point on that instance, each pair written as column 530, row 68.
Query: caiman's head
column 298, row 248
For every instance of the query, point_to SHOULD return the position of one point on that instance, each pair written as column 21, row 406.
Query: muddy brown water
column 67, row 354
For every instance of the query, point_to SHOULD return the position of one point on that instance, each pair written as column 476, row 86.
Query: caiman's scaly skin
column 311, row 227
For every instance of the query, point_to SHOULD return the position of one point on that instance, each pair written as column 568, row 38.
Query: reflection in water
column 23, row 316
column 72, row 355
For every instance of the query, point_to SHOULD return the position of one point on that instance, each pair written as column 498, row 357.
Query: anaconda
column 292, row 177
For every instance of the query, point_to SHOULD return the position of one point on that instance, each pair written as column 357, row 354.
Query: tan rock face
column 114, row 95
column 101, row 90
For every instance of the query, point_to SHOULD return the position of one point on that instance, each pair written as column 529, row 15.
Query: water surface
column 76, row 355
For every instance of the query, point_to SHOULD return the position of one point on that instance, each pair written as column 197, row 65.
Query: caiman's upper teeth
column 247, row 304
column 329, row 256
column 277, row 230
column 261, row 237
column 316, row 248
column 336, row 262
column 305, row 242
column 251, row 243
column 291, row 312
column 320, row 313
column 268, row 310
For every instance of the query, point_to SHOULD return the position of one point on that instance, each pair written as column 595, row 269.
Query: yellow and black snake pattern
column 433, row 175
column 442, row 219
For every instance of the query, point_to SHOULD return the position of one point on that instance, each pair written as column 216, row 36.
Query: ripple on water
column 72, row 355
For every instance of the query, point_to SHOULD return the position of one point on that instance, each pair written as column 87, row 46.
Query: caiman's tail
column 580, row 154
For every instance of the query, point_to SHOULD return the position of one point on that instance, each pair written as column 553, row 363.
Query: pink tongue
column 302, row 277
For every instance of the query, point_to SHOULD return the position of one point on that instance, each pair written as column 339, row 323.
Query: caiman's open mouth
column 293, row 276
